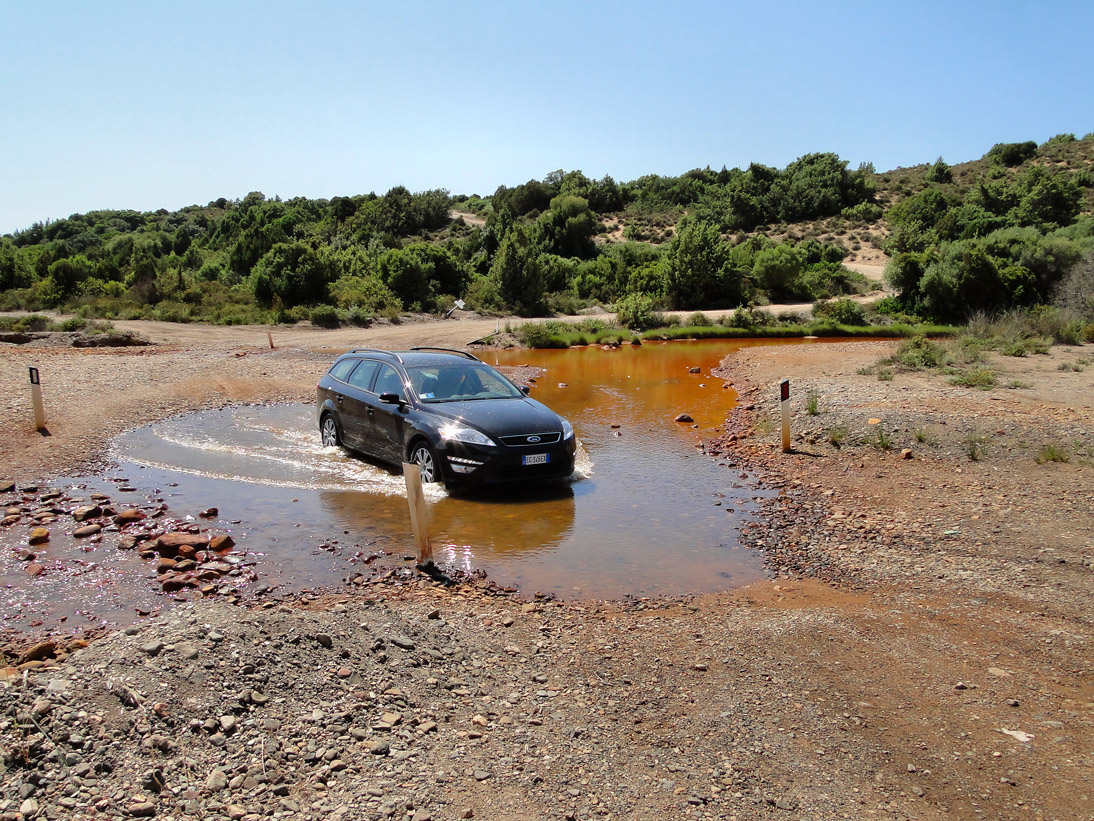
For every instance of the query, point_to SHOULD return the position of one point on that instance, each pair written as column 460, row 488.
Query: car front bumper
column 464, row 463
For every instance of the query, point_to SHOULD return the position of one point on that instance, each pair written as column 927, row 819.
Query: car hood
column 501, row 417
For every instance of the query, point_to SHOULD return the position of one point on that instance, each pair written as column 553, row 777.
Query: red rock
column 37, row 652
column 169, row 543
column 128, row 517
column 164, row 565
column 88, row 512
column 35, row 569
column 86, row 530
column 172, row 583
column 221, row 542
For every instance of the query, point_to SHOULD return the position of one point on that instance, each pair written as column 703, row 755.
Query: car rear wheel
column 328, row 430
column 423, row 456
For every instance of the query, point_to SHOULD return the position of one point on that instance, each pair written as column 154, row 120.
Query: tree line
column 548, row 245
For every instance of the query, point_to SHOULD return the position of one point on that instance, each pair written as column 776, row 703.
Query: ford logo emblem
column 532, row 440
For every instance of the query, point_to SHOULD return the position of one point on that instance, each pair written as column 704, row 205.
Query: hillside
column 985, row 235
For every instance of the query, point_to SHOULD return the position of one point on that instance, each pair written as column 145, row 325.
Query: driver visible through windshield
column 459, row 383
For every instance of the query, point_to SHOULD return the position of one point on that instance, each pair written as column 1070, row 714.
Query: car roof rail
column 378, row 350
column 446, row 350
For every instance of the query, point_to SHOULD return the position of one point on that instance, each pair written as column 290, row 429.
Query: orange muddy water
column 645, row 513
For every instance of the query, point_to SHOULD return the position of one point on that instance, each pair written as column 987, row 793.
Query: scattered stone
column 152, row 648
column 37, row 652
column 130, row 516
column 169, row 544
column 221, row 543
column 906, row 453
column 683, row 417
column 216, row 781
column 87, row 530
column 88, row 512
column 39, row 535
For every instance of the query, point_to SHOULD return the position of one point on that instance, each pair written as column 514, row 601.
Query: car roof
column 417, row 357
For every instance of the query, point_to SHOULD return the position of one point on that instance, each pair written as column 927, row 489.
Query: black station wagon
column 449, row 412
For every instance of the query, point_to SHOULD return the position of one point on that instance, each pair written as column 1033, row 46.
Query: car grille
column 531, row 440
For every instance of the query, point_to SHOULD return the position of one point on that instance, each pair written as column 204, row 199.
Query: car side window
column 362, row 375
column 388, row 381
column 340, row 369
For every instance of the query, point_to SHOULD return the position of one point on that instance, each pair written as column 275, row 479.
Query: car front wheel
column 328, row 429
column 423, row 456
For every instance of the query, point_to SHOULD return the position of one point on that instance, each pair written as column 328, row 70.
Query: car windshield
column 459, row 382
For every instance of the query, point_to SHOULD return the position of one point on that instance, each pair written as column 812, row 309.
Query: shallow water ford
column 645, row 514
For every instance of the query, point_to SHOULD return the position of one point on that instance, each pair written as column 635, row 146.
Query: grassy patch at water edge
column 791, row 331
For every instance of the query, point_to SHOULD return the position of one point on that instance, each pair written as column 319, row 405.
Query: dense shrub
column 324, row 316
column 636, row 312
column 841, row 311
column 1011, row 154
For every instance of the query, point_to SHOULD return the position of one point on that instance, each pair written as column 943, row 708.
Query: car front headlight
column 567, row 429
column 456, row 433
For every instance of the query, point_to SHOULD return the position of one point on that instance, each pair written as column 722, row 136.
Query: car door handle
column 370, row 410
column 339, row 397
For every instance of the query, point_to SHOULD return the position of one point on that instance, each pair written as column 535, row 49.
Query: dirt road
column 924, row 651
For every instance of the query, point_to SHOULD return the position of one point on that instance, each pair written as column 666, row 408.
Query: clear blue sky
column 148, row 105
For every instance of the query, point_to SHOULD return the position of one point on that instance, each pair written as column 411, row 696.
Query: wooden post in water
column 36, row 400
column 784, row 391
column 419, row 513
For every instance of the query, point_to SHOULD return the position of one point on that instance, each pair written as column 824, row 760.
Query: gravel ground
column 923, row 653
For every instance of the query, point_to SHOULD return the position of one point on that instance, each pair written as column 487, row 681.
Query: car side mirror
column 525, row 389
column 391, row 399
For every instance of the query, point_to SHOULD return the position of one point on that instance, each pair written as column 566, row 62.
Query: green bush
column 981, row 378
column 940, row 172
column 1052, row 452
column 919, row 353
column 635, row 311
column 324, row 316
column 863, row 212
column 841, row 311
column 699, row 320
column 538, row 335
column 1011, row 154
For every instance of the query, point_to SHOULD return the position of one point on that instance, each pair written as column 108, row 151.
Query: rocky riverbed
column 924, row 651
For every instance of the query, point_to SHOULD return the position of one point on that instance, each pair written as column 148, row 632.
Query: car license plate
column 536, row 458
